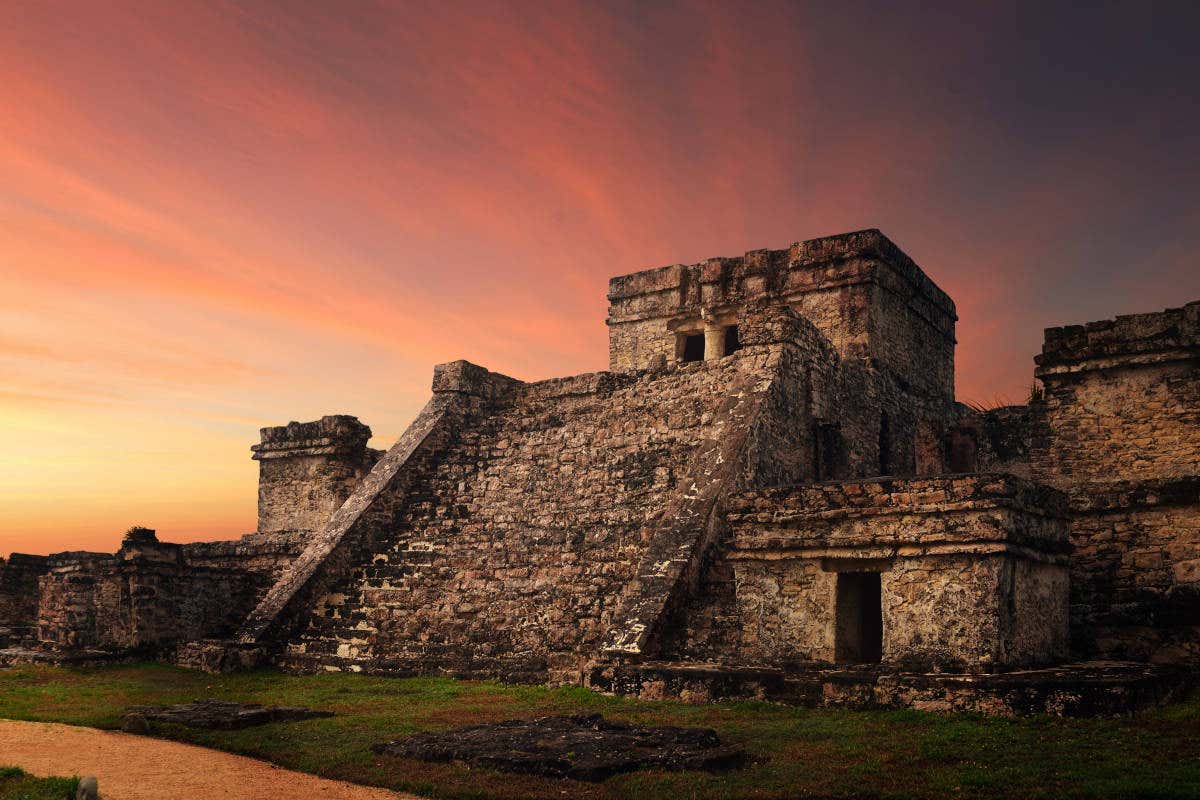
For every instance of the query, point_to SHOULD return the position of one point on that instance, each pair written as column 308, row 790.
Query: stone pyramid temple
column 772, row 492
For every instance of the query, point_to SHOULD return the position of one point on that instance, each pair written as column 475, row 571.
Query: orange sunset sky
column 216, row 216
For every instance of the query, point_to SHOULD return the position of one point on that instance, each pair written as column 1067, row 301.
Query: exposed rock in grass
column 584, row 747
column 215, row 714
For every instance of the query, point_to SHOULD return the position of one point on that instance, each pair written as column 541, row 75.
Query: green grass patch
column 16, row 785
column 793, row 752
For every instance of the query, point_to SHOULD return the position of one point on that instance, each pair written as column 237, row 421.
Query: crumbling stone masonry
column 19, row 598
column 772, row 492
column 969, row 574
column 1119, row 431
column 308, row 469
column 151, row 595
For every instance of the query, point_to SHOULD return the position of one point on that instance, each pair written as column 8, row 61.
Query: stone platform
column 1084, row 689
column 583, row 747
column 25, row 656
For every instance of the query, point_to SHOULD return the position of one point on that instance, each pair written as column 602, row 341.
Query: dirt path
column 140, row 768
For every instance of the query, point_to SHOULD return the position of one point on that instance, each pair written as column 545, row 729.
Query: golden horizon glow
column 219, row 216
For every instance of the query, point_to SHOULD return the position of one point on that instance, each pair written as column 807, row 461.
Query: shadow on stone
column 583, row 747
column 214, row 714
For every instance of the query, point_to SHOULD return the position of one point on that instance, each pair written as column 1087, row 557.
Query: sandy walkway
column 140, row 768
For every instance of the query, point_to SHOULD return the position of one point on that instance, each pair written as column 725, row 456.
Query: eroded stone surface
column 216, row 714
column 1084, row 689
column 583, row 747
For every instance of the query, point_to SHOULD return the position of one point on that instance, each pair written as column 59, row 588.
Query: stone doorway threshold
column 140, row 768
column 1083, row 689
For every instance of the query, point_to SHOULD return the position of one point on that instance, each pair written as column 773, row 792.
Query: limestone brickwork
column 152, row 595
column 773, row 480
column 308, row 469
column 1122, row 399
column 1119, row 430
column 510, row 553
column 973, row 574
column 860, row 290
column 19, row 597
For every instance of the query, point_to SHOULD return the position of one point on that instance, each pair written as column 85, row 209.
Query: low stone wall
column 1085, row 689
column 255, row 552
column 151, row 595
column 971, row 572
column 19, row 597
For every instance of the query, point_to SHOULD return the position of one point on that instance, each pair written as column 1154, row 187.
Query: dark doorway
column 732, row 342
column 859, row 622
column 693, row 347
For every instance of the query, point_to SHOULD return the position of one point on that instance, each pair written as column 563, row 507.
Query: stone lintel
column 851, row 557
column 903, row 495
column 884, row 518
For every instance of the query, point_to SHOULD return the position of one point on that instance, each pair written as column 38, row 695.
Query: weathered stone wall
column 267, row 553
column 308, row 469
column 1135, row 574
column 151, row 595
column 18, row 596
column 1119, row 429
column 545, row 530
column 1122, row 400
column 972, row 573
column 865, row 295
column 68, row 598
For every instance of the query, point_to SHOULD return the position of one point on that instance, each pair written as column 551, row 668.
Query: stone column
column 714, row 341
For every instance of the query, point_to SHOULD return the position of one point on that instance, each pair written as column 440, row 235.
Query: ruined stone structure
column 773, row 480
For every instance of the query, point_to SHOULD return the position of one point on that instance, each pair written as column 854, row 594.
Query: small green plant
column 16, row 784
column 140, row 533
column 1037, row 392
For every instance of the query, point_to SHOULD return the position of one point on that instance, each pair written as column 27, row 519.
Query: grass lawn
column 795, row 752
column 16, row 785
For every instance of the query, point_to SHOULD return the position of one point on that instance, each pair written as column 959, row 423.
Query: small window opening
column 693, row 347
column 732, row 342
column 885, row 445
column 859, row 623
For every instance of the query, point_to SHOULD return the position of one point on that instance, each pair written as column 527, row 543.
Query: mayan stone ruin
column 772, row 492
